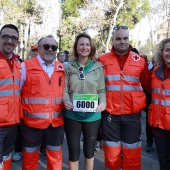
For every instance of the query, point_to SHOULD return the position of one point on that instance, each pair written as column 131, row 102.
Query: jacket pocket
column 35, row 85
column 139, row 101
column 167, row 119
column 4, row 115
column 60, row 82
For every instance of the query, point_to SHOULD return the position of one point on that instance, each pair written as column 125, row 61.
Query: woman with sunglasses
column 84, row 99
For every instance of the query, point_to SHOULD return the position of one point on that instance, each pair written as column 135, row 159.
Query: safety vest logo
column 60, row 67
column 136, row 58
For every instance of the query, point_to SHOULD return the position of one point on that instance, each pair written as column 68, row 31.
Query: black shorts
column 32, row 137
column 126, row 128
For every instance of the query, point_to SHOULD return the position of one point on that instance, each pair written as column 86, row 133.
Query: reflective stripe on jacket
column 159, row 110
column 10, row 102
column 42, row 97
column 124, row 93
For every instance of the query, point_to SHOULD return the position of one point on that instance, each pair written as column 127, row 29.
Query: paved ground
column 149, row 160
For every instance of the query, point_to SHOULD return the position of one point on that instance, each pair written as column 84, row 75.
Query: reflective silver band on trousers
column 119, row 143
column 49, row 147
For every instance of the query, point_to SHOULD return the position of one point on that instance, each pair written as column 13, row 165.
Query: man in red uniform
column 10, row 105
column 34, row 51
column 42, row 83
column 126, row 75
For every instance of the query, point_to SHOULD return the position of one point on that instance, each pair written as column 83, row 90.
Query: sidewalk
column 149, row 160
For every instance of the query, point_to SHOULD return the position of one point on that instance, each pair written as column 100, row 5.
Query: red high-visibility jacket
column 42, row 96
column 10, row 101
column 159, row 110
column 124, row 93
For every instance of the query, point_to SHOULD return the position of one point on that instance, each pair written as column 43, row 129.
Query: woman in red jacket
column 159, row 110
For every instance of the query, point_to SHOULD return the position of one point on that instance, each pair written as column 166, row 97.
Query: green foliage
column 67, row 30
column 28, row 7
column 66, row 44
column 70, row 8
column 99, row 18
column 132, row 12
column 21, row 13
column 4, row 3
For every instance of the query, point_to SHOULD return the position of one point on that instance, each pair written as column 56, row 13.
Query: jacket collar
column 96, row 65
column 113, row 50
column 2, row 56
column 160, row 72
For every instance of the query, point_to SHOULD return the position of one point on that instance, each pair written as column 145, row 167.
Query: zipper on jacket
column 50, row 101
column 121, row 92
column 59, row 81
column 49, row 82
column 159, row 105
column 13, row 83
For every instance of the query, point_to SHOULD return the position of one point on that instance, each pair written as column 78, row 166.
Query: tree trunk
column 112, row 24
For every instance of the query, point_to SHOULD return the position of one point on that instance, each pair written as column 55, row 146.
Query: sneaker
column 98, row 146
column 1, row 165
column 148, row 146
column 16, row 156
column 43, row 153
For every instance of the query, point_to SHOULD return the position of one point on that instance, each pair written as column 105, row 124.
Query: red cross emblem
column 60, row 67
column 136, row 57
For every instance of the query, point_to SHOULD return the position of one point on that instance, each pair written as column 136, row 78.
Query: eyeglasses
column 81, row 73
column 7, row 37
column 120, row 27
column 47, row 47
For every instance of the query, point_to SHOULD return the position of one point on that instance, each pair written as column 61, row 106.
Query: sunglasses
column 120, row 27
column 34, row 50
column 7, row 37
column 81, row 73
column 47, row 47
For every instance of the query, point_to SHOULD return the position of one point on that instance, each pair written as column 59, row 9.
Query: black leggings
column 73, row 132
column 162, row 141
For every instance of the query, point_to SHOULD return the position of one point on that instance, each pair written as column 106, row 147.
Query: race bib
column 85, row 102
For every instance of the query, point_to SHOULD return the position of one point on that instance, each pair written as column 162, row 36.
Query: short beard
column 49, row 57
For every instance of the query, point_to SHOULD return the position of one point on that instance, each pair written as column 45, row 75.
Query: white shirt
column 150, row 66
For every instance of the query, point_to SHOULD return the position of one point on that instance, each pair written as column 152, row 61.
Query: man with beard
column 10, row 105
column 42, row 83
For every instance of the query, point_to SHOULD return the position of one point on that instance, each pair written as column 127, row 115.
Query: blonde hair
column 159, row 50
